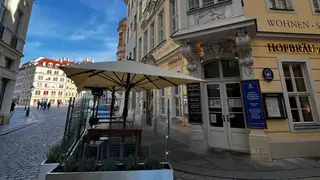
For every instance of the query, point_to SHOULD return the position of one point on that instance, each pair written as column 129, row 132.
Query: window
column 55, row 79
column 177, row 101
column 298, row 92
column 53, row 93
column 38, row 92
column 45, row 92
column 60, row 93
column 194, row 4
column 40, row 77
column 49, row 71
column 130, row 30
column 17, row 22
column 140, row 49
column 281, row 5
column 120, row 38
column 57, row 65
column 135, row 22
column 316, row 5
column 50, row 65
column 161, row 27
column 140, row 9
column 128, row 35
column 162, row 101
column 3, row 11
column 145, row 42
column 3, row 86
column 48, row 78
column 152, row 36
column 61, row 86
column 8, row 63
column 174, row 15
column 134, row 53
column 61, row 79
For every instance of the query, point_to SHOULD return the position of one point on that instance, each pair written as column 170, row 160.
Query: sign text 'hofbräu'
column 293, row 48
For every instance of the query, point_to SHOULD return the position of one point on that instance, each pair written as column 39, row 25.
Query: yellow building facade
column 288, row 42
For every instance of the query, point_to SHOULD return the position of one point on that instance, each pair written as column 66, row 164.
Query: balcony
column 14, row 41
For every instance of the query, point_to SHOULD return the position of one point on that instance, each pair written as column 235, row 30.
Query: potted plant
column 53, row 157
column 131, row 169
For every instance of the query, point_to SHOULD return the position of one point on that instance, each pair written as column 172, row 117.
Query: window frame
column 200, row 4
column 174, row 97
column 18, row 22
column 162, row 105
column 145, row 42
column 161, row 27
column 310, row 86
column 152, row 39
column 3, row 12
column 140, row 9
column 312, row 4
column 140, row 49
column 174, row 18
column 290, row 5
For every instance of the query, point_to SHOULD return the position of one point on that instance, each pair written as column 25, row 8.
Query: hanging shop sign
column 253, row 104
column 303, row 48
column 194, row 103
column 267, row 74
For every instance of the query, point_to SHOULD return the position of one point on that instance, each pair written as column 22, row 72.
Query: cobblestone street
column 23, row 150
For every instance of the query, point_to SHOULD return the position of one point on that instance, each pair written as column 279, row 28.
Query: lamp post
column 28, row 110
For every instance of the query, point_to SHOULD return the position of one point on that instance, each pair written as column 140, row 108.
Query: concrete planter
column 45, row 168
column 162, row 174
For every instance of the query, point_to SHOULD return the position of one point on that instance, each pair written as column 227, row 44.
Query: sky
column 75, row 29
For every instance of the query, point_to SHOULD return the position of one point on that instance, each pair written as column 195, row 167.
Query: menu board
column 253, row 104
column 194, row 103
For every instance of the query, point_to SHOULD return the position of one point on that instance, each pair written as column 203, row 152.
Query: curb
column 18, row 128
column 246, row 175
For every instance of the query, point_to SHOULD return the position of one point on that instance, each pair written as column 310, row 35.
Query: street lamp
column 28, row 110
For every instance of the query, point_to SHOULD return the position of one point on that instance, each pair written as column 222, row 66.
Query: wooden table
column 116, row 130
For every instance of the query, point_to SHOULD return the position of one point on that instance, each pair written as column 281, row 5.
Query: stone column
column 197, row 133
column 258, row 139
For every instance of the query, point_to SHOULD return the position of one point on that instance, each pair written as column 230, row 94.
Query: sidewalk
column 231, row 165
column 18, row 121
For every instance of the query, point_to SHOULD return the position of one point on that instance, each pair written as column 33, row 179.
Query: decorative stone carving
column 209, row 16
column 244, row 52
column 217, row 49
column 189, row 52
column 149, row 59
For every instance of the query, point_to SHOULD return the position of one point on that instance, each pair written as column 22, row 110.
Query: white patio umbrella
column 127, row 75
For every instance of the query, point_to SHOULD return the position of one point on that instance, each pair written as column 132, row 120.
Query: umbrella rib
column 152, row 82
column 110, row 79
column 95, row 74
column 113, row 80
column 167, row 80
column 133, row 77
column 147, row 82
column 122, row 79
column 84, row 72
column 137, row 83
column 117, row 77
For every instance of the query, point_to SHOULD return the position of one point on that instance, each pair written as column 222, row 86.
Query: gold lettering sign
column 293, row 24
column 293, row 48
column 175, row 62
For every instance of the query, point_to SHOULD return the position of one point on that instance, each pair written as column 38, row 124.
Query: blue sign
column 252, row 104
column 267, row 74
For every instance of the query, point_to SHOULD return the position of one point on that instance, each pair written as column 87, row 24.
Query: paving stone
column 298, row 163
column 196, row 162
column 309, row 161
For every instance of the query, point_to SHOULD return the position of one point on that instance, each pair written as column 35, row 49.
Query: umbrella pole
column 112, row 103
column 126, row 98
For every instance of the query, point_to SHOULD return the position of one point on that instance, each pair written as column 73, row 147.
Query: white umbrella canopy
column 115, row 74
column 126, row 75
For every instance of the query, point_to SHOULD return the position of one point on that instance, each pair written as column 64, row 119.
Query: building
column 230, row 44
column 121, row 50
column 15, row 16
column 44, row 82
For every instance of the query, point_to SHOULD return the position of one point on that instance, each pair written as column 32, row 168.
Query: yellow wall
column 279, row 130
column 302, row 16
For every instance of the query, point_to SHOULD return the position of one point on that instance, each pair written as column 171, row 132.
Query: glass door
column 217, row 124
column 236, row 125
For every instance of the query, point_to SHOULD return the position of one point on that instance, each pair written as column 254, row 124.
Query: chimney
column 68, row 60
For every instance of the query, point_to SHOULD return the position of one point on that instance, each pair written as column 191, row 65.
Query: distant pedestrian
column 49, row 105
column 44, row 106
column 58, row 104
column 38, row 105
column 13, row 105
